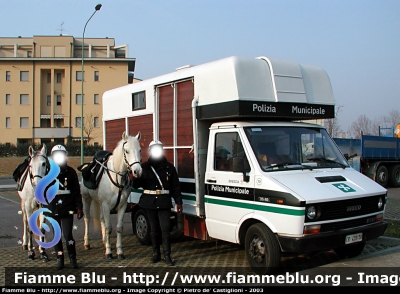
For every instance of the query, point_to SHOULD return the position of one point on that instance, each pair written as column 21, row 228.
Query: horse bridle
column 129, row 166
column 32, row 176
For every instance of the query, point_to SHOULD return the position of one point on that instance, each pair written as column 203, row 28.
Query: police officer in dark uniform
column 67, row 202
column 160, row 183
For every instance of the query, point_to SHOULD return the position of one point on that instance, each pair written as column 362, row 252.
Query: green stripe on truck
column 287, row 211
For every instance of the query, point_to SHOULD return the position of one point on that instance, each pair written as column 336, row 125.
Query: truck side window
column 227, row 146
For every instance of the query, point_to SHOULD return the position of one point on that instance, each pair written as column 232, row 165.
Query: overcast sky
column 356, row 41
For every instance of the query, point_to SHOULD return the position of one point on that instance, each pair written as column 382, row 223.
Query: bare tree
column 362, row 124
column 89, row 125
column 393, row 118
column 332, row 125
column 376, row 126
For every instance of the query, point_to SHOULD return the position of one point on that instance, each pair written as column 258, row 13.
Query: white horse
column 36, row 170
column 113, row 191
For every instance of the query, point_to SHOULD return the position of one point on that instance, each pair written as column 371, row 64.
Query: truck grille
column 347, row 224
column 336, row 210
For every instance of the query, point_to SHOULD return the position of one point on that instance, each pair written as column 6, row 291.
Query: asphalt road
column 6, row 181
column 11, row 228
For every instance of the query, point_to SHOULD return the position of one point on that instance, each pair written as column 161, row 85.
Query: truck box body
column 218, row 121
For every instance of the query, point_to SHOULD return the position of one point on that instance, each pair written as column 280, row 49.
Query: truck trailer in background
column 250, row 173
column 377, row 157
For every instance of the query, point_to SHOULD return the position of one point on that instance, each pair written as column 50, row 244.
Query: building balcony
column 51, row 132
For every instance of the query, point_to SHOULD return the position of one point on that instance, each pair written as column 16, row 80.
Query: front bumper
column 329, row 240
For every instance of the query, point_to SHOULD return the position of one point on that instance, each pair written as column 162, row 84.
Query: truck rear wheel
column 382, row 176
column 351, row 250
column 394, row 176
column 141, row 225
column 262, row 249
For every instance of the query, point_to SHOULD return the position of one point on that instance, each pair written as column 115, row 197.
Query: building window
column 57, row 123
column 96, row 99
column 8, row 76
column 48, row 100
column 79, row 76
column 28, row 53
column 58, row 77
column 58, row 100
column 78, row 122
column 48, row 78
column 24, row 76
column 138, row 100
column 8, row 99
column 96, row 76
column 24, row 122
column 96, row 122
column 24, row 99
column 45, row 123
column 78, row 98
column 8, row 122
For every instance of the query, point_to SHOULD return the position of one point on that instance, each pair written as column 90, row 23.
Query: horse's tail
column 96, row 215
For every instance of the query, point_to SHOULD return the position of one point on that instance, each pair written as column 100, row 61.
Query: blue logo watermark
column 46, row 191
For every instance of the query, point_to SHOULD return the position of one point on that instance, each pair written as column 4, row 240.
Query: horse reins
column 125, row 175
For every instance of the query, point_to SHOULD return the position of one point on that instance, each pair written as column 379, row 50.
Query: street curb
column 389, row 241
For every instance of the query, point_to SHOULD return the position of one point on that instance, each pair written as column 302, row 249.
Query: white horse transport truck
column 235, row 131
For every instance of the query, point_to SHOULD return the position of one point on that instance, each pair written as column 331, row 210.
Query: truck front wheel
column 141, row 225
column 351, row 250
column 394, row 176
column 382, row 176
column 262, row 249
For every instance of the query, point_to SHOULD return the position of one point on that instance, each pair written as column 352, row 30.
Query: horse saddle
column 19, row 174
column 93, row 171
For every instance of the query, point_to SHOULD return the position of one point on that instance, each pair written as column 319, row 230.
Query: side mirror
column 346, row 156
column 241, row 165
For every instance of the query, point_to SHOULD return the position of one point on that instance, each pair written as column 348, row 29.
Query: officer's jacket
column 148, row 181
column 66, row 203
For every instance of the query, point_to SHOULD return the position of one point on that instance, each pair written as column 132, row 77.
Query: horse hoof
column 31, row 255
column 121, row 256
column 87, row 247
column 44, row 256
column 109, row 256
column 24, row 247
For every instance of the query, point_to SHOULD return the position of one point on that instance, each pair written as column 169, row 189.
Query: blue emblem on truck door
column 344, row 188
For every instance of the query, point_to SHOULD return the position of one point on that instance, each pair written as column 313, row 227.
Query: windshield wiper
column 323, row 159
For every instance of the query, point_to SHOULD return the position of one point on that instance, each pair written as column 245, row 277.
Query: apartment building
column 41, row 87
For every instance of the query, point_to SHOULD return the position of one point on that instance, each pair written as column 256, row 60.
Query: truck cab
column 308, row 198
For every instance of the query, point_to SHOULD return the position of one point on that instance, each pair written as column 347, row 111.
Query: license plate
column 353, row 238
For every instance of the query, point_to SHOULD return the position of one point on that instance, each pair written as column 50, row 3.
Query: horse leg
column 27, row 215
column 42, row 251
column 25, row 230
column 120, row 228
column 107, row 228
column 86, row 208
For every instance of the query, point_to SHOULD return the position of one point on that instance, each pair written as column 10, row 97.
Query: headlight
column 311, row 212
column 380, row 203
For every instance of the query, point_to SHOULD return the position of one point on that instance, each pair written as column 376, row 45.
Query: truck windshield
column 288, row 148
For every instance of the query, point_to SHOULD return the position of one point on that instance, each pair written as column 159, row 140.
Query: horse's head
column 132, row 153
column 38, row 165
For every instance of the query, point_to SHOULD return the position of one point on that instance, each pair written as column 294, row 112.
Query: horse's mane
column 118, row 153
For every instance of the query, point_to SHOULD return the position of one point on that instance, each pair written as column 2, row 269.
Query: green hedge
column 22, row 149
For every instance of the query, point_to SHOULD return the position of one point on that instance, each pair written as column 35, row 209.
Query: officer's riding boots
column 156, row 248
column 60, row 261
column 166, row 244
column 72, row 255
